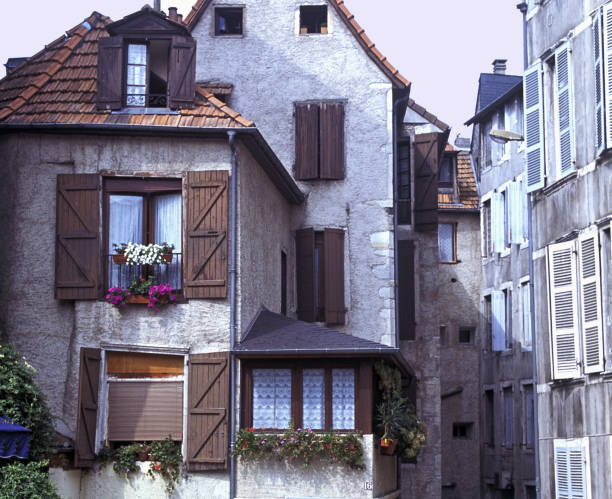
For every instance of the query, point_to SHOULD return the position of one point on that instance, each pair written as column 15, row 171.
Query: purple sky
column 441, row 46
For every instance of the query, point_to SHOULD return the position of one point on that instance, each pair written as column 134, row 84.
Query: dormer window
column 147, row 61
column 447, row 172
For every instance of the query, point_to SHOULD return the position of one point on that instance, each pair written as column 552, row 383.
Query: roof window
column 313, row 19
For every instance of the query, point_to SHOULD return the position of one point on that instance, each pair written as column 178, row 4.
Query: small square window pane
column 271, row 398
column 343, row 399
column 446, row 242
column 137, row 54
column 313, row 398
column 135, row 100
column 228, row 21
column 137, row 75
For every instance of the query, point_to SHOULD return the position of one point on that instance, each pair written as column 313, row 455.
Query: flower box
column 119, row 259
column 387, row 446
column 137, row 299
column 167, row 257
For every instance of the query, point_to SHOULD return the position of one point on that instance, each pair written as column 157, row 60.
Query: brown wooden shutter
column 181, row 72
column 305, row 265
column 331, row 138
column 333, row 243
column 110, row 73
column 77, row 249
column 404, row 196
column 306, row 141
column 87, row 411
column 426, row 182
column 205, row 266
column 406, row 295
column 207, row 423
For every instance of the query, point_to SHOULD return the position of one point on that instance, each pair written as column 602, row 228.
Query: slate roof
column 349, row 20
column 493, row 89
column 467, row 198
column 58, row 85
column 271, row 333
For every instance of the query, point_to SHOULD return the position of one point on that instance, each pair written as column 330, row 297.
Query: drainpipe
column 536, row 430
column 232, row 285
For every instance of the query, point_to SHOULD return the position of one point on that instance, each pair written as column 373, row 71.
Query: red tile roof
column 467, row 198
column 58, row 85
column 348, row 18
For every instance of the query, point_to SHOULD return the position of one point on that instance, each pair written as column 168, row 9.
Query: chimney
column 172, row 13
column 499, row 66
column 179, row 18
column 157, row 5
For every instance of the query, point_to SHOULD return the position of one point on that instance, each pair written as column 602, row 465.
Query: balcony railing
column 166, row 273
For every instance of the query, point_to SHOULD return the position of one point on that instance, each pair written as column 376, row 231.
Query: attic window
column 228, row 21
column 147, row 74
column 313, row 19
column 447, row 171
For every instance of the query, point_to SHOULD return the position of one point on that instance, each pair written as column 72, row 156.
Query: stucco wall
column 272, row 67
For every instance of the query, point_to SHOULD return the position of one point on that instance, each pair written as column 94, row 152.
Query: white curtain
column 167, row 229
column 343, row 399
column 136, row 74
column 125, row 225
column 313, row 398
column 271, row 398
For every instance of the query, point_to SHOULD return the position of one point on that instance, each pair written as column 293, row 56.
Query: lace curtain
column 343, row 399
column 125, row 225
column 136, row 75
column 313, row 398
column 167, row 229
column 271, row 398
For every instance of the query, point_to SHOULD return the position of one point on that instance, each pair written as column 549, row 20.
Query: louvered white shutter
column 590, row 302
column 565, row 111
column 571, row 469
column 525, row 209
column 607, row 71
column 499, row 320
column 515, row 212
column 534, row 127
column 497, row 222
column 599, row 84
column 563, row 309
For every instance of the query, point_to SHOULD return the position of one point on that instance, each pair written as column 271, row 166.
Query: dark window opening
column 488, row 320
column 313, row 19
column 319, row 277
column 529, row 419
column 463, row 430
column 147, row 74
column 486, row 228
column 447, row 171
column 283, row 283
column 508, row 305
column 508, row 418
column 443, row 336
column 489, row 418
column 406, row 290
column 228, row 21
column 403, row 183
column 466, row 335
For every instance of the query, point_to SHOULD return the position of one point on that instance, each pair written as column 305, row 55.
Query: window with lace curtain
column 311, row 395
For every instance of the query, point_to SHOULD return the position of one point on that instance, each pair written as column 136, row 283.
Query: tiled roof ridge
column 70, row 40
column 347, row 17
column 432, row 118
column 223, row 107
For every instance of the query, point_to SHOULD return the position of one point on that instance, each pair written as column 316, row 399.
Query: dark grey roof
column 509, row 90
column 271, row 333
column 492, row 86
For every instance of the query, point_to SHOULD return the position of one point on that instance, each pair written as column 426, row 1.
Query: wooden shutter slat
column 305, row 263
column 306, row 141
column 207, row 423
column 426, row 159
column 110, row 73
column 181, row 72
column 331, row 138
column 87, row 408
column 205, row 267
column 563, row 309
column 333, row 243
column 77, row 251
column 590, row 300
column 534, row 127
column 406, row 295
column 563, row 94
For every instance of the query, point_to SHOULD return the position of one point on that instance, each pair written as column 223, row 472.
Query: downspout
column 530, row 247
column 232, row 286
column 474, row 173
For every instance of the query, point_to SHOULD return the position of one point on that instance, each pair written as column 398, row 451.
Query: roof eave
column 497, row 102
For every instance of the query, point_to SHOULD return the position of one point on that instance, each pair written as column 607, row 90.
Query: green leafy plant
column 166, row 461
column 125, row 459
column 23, row 402
column 301, row 444
column 140, row 285
column 26, row 481
column 395, row 416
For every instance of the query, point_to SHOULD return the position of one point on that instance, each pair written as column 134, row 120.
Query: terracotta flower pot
column 387, row 446
column 167, row 257
column 119, row 259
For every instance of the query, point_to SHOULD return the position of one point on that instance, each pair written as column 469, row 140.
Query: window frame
column 507, row 391
column 525, row 387
column 453, row 243
column 452, row 161
column 228, row 7
column 324, row 29
column 297, row 366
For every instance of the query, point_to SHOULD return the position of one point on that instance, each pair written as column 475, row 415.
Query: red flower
column 142, row 279
column 251, row 429
column 157, row 466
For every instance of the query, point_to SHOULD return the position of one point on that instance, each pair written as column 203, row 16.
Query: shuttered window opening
column 404, row 184
column 498, row 308
column 564, row 102
column 572, row 468
column 320, row 275
column 607, row 72
column 145, row 410
column 534, row 127
column 485, row 222
column 426, row 166
column 600, row 121
column 319, row 141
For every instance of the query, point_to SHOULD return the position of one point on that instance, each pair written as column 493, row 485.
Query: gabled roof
column 467, row 193
column 427, row 116
column 493, row 89
column 349, row 20
column 58, row 86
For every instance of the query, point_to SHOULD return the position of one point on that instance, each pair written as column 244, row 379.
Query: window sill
column 234, row 36
column 146, row 110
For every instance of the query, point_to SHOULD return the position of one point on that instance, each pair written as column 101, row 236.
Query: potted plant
column 167, row 250
column 160, row 294
column 139, row 290
column 390, row 416
column 117, row 296
column 119, row 257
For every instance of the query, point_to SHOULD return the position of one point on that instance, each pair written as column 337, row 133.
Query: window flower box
column 137, row 300
column 119, row 259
